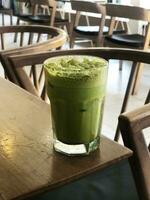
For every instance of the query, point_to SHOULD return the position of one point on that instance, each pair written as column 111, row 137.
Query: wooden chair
column 134, row 41
column 131, row 125
column 89, row 32
column 92, row 33
column 34, row 10
column 18, row 10
column 29, row 36
column 32, row 39
column 103, row 182
column 18, row 62
column 46, row 15
column 4, row 12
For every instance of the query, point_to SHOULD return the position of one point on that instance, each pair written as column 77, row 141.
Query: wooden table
column 28, row 163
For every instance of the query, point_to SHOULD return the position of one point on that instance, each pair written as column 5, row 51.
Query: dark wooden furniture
column 18, row 62
column 46, row 15
column 30, row 39
column 91, row 33
column 148, row 98
column 6, row 11
column 128, row 40
column 131, row 125
column 28, row 163
column 18, row 9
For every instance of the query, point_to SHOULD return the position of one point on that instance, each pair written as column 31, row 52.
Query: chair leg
column 16, row 34
column 120, row 65
column 87, row 20
column 71, row 43
column 137, row 79
column 2, row 41
column 126, row 96
column 72, row 39
column 148, row 98
column 68, row 27
column 11, row 20
column 92, row 43
column 3, row 20
column 99, row 41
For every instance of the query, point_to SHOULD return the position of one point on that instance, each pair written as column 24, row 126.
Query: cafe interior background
column 117, row 80
column 116, row 83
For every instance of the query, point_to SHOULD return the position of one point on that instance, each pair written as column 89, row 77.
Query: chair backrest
column 42, row 2
column 128, row 12
column 89, row 7
column 31, row 36
column 4, row 12
column 49, row 5
column 131, row 125
column 46, row 3
column 21, row 61
column 32, row 39
column 19, row 6
column 36, row 7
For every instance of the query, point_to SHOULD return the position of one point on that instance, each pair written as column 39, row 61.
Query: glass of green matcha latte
column 76, row 89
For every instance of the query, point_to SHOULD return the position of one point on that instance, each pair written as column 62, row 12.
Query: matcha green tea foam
column 75, row 69
column 76, row 89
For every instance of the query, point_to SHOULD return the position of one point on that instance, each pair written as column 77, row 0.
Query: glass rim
column 78, row 70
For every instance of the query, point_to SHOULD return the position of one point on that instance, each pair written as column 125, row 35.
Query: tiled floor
column 116, row 85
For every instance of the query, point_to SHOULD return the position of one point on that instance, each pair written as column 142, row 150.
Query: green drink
column 76, row 89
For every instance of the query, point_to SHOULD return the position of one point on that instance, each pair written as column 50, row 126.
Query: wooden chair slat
column 2, row 41
column 21, row 39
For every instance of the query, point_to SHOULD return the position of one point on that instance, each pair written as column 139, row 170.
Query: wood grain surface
column 28, row 163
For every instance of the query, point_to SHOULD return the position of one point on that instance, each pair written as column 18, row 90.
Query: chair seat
column 89, row 30
column 45, row 19
column 133, row 40
column 93, row 30
column 23, row 15
column 113, row 183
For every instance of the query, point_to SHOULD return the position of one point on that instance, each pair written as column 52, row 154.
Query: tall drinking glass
column 76, row 89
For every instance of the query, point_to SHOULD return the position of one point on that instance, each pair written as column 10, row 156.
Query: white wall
column 135, row 2
column 135, row 26
column 145, row 3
